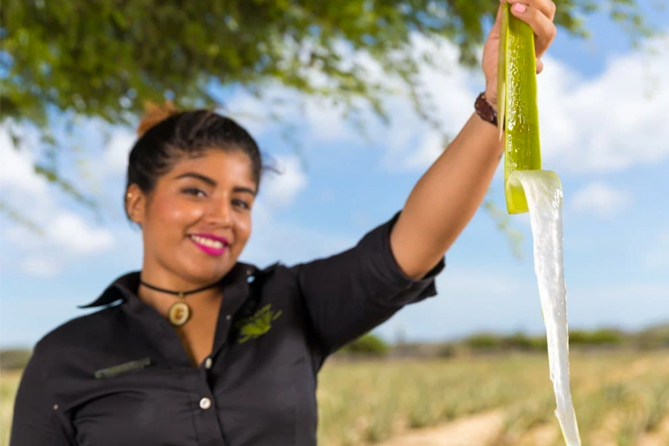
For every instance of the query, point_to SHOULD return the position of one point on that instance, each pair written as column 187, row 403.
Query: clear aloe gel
column 539, row 192
column 543, row 193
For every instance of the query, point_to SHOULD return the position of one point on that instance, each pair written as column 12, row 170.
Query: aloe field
column 621, row 399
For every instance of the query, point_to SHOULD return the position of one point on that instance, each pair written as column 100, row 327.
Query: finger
column 546, row 6
column 543, row 27
column 540, row 66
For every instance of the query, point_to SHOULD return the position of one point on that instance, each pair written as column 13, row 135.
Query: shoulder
column 270, row 272
column 78, row 332
column 273, row 278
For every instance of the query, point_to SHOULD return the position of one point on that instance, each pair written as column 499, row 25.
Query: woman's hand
column 539, row 14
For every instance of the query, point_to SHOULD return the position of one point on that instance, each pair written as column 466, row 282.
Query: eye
column 241, row 203
column 192, row 191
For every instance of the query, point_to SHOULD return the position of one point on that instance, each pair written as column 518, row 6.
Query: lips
column 217, row 238
column 206, row 245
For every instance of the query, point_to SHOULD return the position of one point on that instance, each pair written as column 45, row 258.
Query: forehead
column 219, row 165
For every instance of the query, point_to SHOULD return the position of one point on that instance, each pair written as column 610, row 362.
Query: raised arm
column 446, row 197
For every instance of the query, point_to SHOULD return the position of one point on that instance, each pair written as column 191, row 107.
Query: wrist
column 491, row 98
column 485, row 109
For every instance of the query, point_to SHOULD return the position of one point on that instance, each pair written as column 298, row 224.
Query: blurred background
column 352, row 101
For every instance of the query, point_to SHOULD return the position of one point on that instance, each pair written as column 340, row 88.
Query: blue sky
column 603, row 108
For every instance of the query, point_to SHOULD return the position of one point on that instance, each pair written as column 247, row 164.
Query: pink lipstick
column 211, row 250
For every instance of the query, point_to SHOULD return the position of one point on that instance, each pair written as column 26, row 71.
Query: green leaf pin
column 257, row 325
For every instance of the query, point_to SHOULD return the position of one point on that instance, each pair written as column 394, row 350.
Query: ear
column 135, row 204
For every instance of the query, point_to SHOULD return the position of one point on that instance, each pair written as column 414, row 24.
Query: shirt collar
column 128, row 284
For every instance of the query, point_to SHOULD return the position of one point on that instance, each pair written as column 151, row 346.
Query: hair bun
column 154, row 113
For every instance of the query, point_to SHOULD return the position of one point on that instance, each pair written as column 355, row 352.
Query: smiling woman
column 237, row 364
column 204, row 349
column 203, row 202
column 192, row 178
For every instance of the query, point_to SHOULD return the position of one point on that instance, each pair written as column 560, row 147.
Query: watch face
column 179, row 313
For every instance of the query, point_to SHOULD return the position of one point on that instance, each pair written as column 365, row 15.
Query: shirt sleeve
column 35, row 422
column 350, row 293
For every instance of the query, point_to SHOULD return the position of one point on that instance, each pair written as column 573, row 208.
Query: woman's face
column 211, row 195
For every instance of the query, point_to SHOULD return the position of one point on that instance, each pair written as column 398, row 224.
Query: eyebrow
column 212, row 182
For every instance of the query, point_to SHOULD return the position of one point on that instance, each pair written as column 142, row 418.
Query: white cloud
column 72, row 233
column 67, row 235
column 279, row 190
column 41, row 266
column 601, row 199
column 251, row 112
column 322, row 120
column 411, row 145
column 116, row 153
column 275, row 240
column 608, row 123
column 16, row 171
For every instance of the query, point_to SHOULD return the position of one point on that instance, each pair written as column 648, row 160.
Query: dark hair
column 168, row 135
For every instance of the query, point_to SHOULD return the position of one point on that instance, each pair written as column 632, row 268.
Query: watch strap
column 485, row 110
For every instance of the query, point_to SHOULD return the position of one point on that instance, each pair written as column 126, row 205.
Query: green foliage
column 368, row 345
column 14, row 359
column 104, row 58
column 652, row 338
column 598, row 337
column 484, row 341
column 521, row 341
column 516, row 341
column 447, row 350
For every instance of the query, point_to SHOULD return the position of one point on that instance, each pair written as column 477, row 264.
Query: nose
column 221, row 212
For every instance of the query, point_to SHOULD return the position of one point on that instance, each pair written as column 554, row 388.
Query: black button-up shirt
column 121, row 376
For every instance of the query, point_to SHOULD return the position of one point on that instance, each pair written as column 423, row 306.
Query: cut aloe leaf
column 517, row 109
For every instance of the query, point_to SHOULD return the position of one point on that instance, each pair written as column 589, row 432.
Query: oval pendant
column 179, row 313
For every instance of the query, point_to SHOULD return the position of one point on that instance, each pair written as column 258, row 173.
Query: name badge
column 122, row 368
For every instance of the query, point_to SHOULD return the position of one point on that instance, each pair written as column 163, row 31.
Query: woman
column 197, row 348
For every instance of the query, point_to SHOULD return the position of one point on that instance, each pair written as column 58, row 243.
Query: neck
column 161, row 301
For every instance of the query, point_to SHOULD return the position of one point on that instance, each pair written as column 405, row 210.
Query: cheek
column 174, row 215
column 243, row 228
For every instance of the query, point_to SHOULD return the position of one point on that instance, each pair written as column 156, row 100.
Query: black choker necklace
column 179, row 312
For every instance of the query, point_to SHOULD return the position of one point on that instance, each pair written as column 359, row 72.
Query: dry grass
column 621, row 399
column 9, row 381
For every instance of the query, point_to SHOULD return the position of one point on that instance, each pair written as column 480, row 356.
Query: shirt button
column 205, row 403
column 207, row 363
column 228, row 317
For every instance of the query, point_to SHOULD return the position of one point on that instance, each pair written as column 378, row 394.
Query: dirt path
column 474, row 430
column 658, row 438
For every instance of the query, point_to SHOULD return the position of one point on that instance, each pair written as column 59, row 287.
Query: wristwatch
column 485, row 110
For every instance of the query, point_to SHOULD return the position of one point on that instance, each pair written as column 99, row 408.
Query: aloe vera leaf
column 517, row 92
column 501, row 69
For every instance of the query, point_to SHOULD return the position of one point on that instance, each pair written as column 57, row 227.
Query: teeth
column 207, row 242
